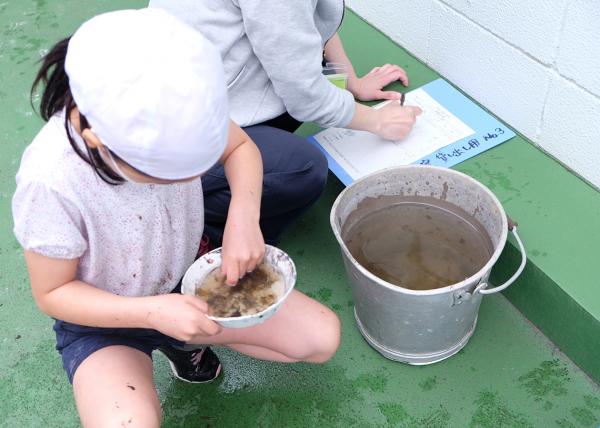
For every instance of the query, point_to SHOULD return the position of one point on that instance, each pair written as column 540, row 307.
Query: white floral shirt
column 130, row 239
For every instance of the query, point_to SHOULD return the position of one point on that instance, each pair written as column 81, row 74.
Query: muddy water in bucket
column 417, row 243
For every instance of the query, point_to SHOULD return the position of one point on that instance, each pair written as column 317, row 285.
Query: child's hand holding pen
column 395, row 120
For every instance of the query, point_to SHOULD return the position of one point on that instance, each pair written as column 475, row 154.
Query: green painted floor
column 509, row 375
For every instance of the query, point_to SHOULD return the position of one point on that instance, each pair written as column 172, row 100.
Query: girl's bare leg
column 114, row 387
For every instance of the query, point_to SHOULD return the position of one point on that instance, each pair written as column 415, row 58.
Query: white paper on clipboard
column 361, row 153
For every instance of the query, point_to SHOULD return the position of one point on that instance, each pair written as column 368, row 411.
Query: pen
column 402, row 99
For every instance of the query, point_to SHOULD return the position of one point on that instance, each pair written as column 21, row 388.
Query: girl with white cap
column 109, row 211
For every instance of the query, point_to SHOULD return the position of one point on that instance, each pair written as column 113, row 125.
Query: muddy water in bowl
column 255, row 292
column 417, row 243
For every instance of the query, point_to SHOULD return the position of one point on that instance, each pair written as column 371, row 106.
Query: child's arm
column 392, row 122
column 370, row 86
column 59, row 295
column 243, row 244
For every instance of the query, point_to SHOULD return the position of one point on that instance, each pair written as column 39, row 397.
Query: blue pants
column 295, row 173
column 76, row 342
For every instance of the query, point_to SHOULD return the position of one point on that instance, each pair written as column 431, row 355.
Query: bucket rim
column 476, row 278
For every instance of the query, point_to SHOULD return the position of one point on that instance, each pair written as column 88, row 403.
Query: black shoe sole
column 174, row 370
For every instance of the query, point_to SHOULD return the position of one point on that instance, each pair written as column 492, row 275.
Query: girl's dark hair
column 57, row 96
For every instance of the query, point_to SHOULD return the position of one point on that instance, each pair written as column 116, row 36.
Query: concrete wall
column 534, row 63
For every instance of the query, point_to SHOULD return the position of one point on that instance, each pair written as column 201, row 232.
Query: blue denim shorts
column 76, row 342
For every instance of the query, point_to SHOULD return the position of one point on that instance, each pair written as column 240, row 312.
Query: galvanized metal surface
column 419, row 326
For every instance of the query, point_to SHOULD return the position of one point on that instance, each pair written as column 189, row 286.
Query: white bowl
column 209, row 261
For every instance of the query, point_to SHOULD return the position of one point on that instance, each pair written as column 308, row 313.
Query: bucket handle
column 481, row 288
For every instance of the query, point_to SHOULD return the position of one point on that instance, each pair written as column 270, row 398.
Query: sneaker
column 197, row 366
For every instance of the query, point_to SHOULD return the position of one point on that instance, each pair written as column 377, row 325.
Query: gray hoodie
column 272, row 53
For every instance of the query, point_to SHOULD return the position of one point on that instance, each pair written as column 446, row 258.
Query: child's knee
column 317, row 177
column 322, row 342
column 330, row 338
column 309, row 181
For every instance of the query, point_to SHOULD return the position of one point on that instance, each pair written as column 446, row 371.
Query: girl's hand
column 394, row 122
column 180, row 316
column 369, row 87
column 243, row 243
column 243, row 246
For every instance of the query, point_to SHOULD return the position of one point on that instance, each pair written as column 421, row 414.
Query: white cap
column 152, row 89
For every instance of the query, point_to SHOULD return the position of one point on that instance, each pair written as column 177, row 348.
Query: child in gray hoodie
column 272, row 52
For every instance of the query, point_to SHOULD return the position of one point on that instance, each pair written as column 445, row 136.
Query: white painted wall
column 534, row 63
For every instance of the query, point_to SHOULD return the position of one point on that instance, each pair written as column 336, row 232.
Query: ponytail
column 57, row 97
column 57, row 93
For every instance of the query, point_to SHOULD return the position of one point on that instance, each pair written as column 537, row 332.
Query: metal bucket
column 422, row 326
